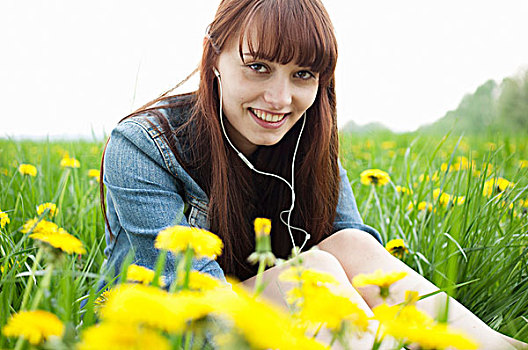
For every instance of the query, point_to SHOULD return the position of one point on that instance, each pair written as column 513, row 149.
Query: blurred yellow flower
column 378, row 278
column 496, row 186
column 42, row 226
column 444, row 197
column 199, row 281
column 321, row 305
column 141, row 274
column 307, row 276
column 27, row 169
column 423, row 177
column 396, row 247
column 95, row 174
column 119, row 336
column 374, row 177
column 3, row 171
column 4, row 219
column 411, row 297
column 404, row 190
column 51, row 207
column 255, row 318
column 61, row 240
column 459, row 200
column 69, row 162
column 150, row 306
column 424, row 206
column 178, row 238
column 523, row 163
column 262, row 227
column 34, row 326
column 410, row 325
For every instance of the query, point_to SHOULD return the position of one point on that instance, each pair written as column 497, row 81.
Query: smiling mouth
column 268, row 117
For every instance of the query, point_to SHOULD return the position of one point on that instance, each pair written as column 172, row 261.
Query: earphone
column 252, row 167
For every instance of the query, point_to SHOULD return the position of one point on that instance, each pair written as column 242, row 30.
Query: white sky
column 69, row 67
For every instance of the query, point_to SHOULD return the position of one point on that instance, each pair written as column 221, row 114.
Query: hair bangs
column 290, row 31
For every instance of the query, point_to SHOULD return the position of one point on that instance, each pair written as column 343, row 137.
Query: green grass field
column 469, row 236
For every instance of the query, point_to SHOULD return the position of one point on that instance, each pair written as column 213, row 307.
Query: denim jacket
column 149, row 190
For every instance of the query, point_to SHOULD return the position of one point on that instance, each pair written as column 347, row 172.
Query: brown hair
column 296, row 31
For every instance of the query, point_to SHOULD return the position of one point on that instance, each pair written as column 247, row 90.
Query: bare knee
column 352, row 241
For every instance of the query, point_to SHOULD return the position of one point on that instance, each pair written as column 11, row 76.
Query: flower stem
column 259, row 287
column 29, row 286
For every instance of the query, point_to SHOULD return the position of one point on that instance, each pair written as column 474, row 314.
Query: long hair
column 286, row 31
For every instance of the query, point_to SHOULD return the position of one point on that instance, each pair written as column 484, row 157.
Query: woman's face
column 262, row 100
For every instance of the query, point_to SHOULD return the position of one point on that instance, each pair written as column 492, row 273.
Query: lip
column 265, row 124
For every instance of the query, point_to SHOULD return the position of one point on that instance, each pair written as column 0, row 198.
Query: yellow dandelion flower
column 404, row 190
column 444, row 197
column 95, row 174
column 141, row 274
column 459, row 200
column 411, row 297
column 523, row 203
column 374, row 177
column 443, row 167
column 378, row 278
column 178, row 238
column 262, row 253
column 4, row 219
column 396, row 247
column 441, row 336
column 51, row 207
column 307, row 276
column 199, row 281
column 425, row 206
column 496, row 186
column 523, row 163
column 69, row 162
column 35, row 326
column 154, row 307
column 262, row 227
column 121, row 337
column 423, row 177
column 254, row 317
column 411, row 325
column 101, row 299
column 42, row 226
column 321, row 305
column 27, row 169
column 61, row 240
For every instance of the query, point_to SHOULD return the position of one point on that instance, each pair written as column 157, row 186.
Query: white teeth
column 272, row 118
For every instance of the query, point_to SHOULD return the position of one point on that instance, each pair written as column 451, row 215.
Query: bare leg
column 358, row 252
column 321, row 261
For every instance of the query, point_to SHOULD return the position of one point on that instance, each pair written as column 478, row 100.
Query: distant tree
column 512, row 104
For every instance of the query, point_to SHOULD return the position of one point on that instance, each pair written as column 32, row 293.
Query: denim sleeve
column 347, row 214
column 143, row 197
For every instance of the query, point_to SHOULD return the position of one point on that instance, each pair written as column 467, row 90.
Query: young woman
column 257, row 139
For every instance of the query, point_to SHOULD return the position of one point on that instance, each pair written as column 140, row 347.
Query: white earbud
column 252, row 167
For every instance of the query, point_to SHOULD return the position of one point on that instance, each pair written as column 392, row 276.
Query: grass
column 481, row 243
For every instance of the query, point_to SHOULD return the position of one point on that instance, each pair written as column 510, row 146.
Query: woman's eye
column 305, row 75
column 258, row 67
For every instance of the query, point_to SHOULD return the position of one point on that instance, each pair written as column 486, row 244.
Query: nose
column 278, row 93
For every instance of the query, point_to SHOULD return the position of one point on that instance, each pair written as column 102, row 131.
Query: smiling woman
column 217, row 158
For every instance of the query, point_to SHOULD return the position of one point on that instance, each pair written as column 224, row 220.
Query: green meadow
column 459, row 203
